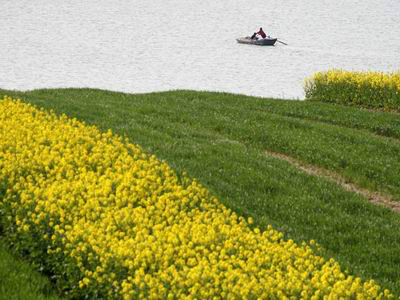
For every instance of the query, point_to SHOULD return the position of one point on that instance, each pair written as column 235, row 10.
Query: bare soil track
column 372, row 196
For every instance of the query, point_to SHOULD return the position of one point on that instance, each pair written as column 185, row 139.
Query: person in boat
column 262, row 33
column 254, row 36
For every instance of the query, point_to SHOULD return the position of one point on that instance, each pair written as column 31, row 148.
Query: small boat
column 268, row 41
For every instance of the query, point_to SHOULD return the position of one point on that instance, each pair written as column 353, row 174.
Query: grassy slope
column 222, row 140
column 19, row 281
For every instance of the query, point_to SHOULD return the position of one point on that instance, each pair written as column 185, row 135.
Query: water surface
column 142, row 46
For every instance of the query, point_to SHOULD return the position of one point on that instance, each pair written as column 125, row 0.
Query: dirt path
column 373, row 197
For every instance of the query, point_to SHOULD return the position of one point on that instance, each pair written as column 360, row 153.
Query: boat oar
column 282, row 42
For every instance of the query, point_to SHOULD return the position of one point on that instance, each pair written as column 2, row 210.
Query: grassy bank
column 224, row 141
column 19, row 281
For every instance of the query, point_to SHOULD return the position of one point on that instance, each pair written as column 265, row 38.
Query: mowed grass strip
column 221, row 140
column 378, row 122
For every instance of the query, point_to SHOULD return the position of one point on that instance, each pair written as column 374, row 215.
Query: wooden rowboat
column 260, row 42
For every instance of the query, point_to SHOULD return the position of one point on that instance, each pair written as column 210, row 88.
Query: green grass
column 18, row 280
column 223, row 139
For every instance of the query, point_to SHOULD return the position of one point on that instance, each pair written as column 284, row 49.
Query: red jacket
column 262, row 33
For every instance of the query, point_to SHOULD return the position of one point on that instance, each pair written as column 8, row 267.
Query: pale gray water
column 141, row 46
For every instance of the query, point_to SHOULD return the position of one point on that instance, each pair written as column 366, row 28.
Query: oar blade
column 282, row 42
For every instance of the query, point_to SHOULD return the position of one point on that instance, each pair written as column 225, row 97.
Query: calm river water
column 141, row 46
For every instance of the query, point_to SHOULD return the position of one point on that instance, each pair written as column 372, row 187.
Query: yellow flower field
column 114, row 222
column 369, row 89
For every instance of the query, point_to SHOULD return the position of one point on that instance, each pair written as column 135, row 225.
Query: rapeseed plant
column 368, row 89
